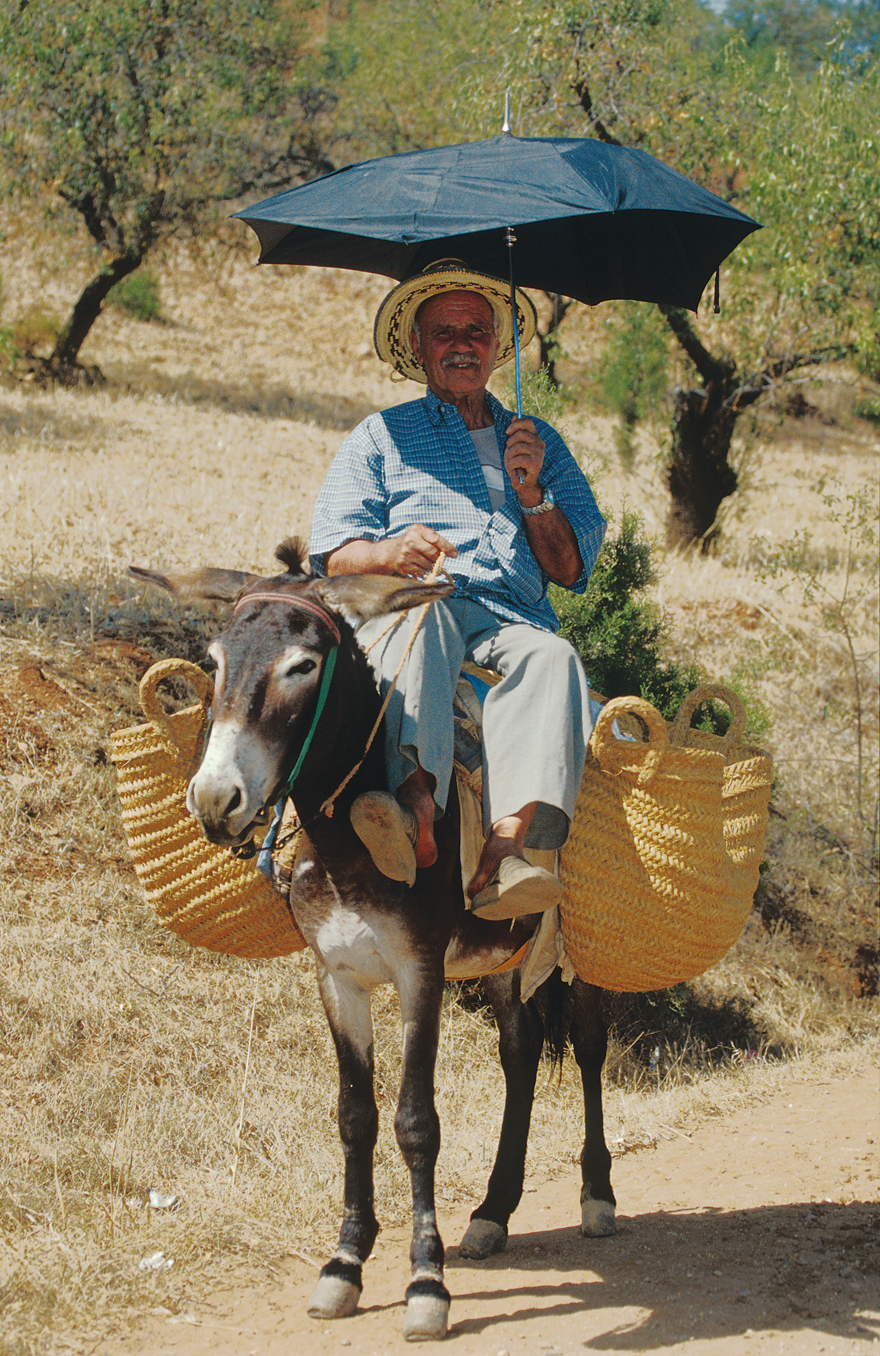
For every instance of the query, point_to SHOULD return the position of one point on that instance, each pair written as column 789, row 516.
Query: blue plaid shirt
column 416, row 463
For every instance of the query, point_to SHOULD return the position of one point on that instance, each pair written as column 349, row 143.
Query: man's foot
column 416, row 795
column 390, row 833
column 495, row 849
column 517, row 889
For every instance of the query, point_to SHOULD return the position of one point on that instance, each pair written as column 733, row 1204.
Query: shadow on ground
column 709, row 1275
column 324, row 408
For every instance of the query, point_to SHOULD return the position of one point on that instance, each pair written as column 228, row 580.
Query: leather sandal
column 389, row 831
column 517, row 888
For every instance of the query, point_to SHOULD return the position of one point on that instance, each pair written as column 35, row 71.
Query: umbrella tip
column 506, row 124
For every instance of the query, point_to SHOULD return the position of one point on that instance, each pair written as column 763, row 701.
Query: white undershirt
column 485, row 442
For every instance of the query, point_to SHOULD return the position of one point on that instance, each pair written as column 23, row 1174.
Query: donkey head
column 277, row 665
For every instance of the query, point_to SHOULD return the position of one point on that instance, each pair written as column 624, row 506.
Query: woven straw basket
column 662, row 861
column 201, row 892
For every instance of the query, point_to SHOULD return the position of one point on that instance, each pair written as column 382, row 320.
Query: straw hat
column 394, row 319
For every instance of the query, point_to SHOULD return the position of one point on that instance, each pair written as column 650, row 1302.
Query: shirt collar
column 440, row 410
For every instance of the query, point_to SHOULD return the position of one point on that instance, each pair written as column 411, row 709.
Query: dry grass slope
column 124, row 1052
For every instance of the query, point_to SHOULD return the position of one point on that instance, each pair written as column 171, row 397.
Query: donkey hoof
column 482, row 1238
column 333, row 1297
column 427, row 1318
column 598, row 1219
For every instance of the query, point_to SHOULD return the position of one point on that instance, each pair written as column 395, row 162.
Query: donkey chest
column 349, row 930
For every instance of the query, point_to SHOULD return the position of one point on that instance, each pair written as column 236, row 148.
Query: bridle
column 314, row 609
column 292, row 600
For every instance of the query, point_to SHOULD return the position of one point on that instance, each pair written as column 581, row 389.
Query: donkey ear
column 361, row 597
column 206, row 585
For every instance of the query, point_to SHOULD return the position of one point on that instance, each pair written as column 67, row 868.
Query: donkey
column 276, row 711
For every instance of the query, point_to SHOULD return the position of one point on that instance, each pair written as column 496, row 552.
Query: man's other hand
column 523, row 459
column 416, row 552
column 412, row 555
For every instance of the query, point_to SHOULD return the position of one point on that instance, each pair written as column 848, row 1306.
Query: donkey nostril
column 234, row 802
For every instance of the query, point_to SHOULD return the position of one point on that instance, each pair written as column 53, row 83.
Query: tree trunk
column 699, row 476
column 63, row 359
column 549, row 342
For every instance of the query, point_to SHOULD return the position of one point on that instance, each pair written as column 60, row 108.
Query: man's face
column 458, row 346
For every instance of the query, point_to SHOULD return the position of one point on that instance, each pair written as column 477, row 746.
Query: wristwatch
column 545, row 505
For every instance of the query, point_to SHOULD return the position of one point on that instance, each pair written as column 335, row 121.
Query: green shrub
column 621, row 636
column 138, row 295
column 632, row 378
column 34, row 329
column 868, row 408
column 8, row 352
column 539, row 397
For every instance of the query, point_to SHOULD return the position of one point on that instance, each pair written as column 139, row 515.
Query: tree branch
column 585, row 99
column 710, row 368
column 775, row 371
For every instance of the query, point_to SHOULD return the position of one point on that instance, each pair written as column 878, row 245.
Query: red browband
column 292, row 600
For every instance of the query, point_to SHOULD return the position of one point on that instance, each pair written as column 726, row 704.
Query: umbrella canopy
column 593, row 222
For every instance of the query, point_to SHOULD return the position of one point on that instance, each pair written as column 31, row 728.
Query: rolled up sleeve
column 353, row 502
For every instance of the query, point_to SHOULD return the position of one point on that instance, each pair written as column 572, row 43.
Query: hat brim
column 396, row 314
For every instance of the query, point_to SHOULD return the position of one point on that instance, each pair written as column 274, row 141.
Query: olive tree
column 798, row 152
column 140, row 117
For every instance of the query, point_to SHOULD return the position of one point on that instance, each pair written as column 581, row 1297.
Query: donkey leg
column 417, row 1127
column 590, row 1041
column 339, row 1288
column 520, row 1041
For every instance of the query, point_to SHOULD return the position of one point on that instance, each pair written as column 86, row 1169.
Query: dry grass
column 124, row 1052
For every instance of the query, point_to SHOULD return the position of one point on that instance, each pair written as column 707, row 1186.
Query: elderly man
column 503, row 499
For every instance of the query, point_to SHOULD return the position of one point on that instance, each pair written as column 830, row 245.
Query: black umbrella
column 593, row 222
column 590, row 221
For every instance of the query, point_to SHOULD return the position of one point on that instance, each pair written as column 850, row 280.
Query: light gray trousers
column 536, row 721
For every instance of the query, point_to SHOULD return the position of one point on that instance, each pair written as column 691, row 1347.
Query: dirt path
column 758, row 1231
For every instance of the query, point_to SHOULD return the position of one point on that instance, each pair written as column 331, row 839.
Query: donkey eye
column 304, row 666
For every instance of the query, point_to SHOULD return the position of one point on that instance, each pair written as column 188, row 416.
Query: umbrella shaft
column 516, row 358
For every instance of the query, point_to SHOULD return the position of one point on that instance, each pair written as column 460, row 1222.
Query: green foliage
column 8, row 352
column 137, row 295
column 655, row 1029
column 803, row 29
column 142, row 118
column 744, row 682
column 868, row 359
column 632, row 378
column 539, row 396
column 798, row 152
column 801, row 155
column 34, row 330
column 408, row 67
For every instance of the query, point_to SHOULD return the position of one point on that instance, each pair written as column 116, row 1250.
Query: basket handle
column 156, row 674
column 680, row 729
column 614, row 754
